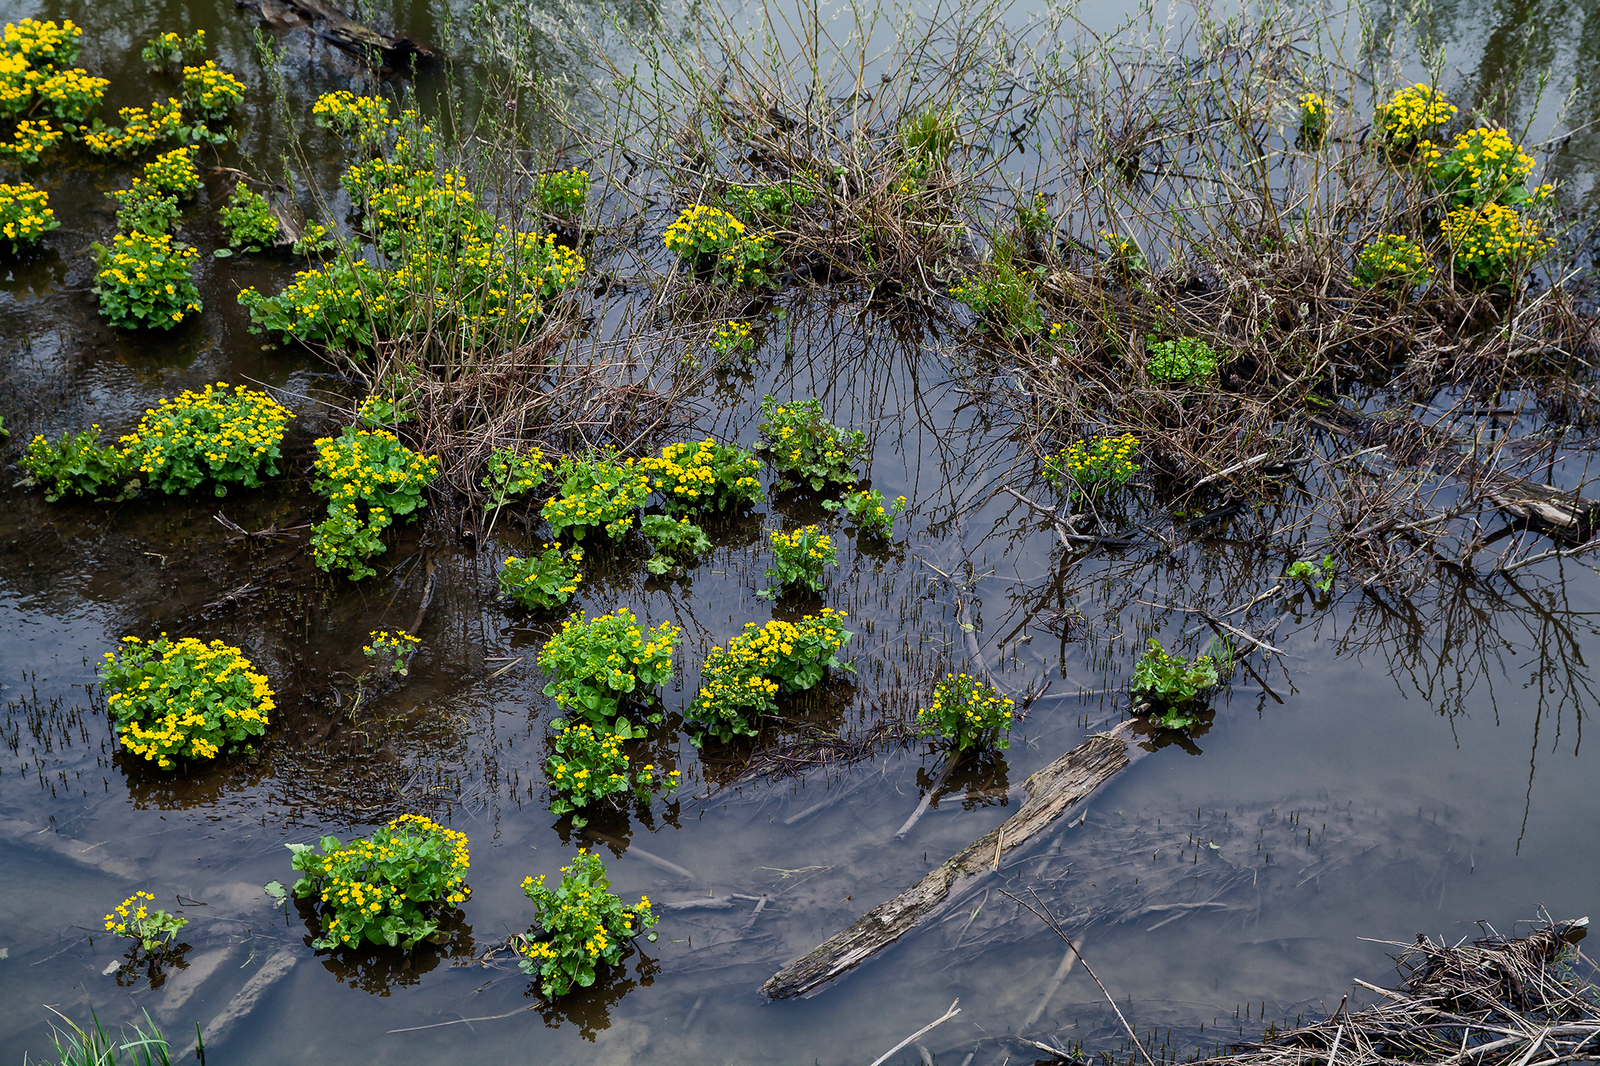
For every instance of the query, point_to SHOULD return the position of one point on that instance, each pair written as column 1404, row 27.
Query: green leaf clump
column 805, row 448
column 675, row 541
column 598, row 663
column 582, row 925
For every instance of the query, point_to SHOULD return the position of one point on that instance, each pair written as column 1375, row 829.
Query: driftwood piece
column 1052, row 792
column 340, row 30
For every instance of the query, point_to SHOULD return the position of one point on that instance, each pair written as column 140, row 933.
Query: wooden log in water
column 1053, row 792
column 340, row 30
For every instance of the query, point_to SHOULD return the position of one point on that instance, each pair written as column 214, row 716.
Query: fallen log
column 1057, row 790
column 397, row 49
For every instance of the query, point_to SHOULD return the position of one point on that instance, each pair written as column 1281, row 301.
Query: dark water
column 1423, row 769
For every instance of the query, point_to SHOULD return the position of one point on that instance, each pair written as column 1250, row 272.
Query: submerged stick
column 951, row 1013
column 927, row 797
column 1052, row 792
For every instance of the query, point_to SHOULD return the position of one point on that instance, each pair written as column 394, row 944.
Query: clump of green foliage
column 169, row 51
column 1123, row 253
column 1313, row 120
column 589, row 766
column 867, row 510
column 1003, row 297
column 966, row 713
column 219, row 436
column 739, row 683
column 563, row 193
column 770, row 202
column 1319, row 575
column 798, row 560
column 711, row 240
column 370, row 479
column 145, row 280
column 1172, row 683
column 1391, row 260
column 392, row 888
column 391, row 650
column 695, row 476
column 1090, row 469
column 805, row 448
column 153, row 930
column 598, row 663
column 598, row 492
column 1181, row 360
column 674, row 542
column 78, row 465
column 511, row 473
column 927, row 139
column 141, row 208
column 582, row 925
column 248, row 220
column 542, row 581
column 184, row 699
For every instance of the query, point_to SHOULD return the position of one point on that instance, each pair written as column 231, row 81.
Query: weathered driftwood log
column 1052, row 792
column 340, row 30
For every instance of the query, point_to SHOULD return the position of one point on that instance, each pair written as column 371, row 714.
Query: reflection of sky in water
column 1353, row 809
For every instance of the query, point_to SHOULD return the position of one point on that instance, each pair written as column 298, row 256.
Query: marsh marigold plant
column 184, row 699
column 25, row 216
column 227, row 436
column 581, row 925
column 597, row 663
column 152, row 929
column 394, row 887
column 966, row 713
column 145, row 280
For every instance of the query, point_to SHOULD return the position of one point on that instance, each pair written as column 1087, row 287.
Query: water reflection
column 379, row 969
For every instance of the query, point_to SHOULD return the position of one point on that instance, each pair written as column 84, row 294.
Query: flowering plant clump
column 739, row 683
column 798, row 559
column 563, row 193
column 248, row 220
column 581, row 925
column 542, row 581
column 140, row 129
column 771, row 201
column 1493, row 242
column 1391, row 260
column 513, row 473
column 133, row 918
column 732, row 336
column 144, row 280
column 867, row 511
column 70, row 95
column 31, row 139
column 366, row 471
column 392, row 648
column 1184, row 359
column 42, row 44
column 709, row 238
column 589, row 766
column 704, row 476
column 1003, row 298
column 598, row 663
column 1093, row 467
column 213, row 435
column 173, row 173
column 78, row 465
column 142, row 209
column 595, row 493
column 210, row 92
column 805, row 447
column 1483, row 166
column 168, row 51
column 183, row 699
column 1313, row 119
column 390, row 888
column 1411, row 113
column 25, row 215
column 966, row 713
column 342, row 303
column 1161, row 677
column 674, row 542
column 366, row 118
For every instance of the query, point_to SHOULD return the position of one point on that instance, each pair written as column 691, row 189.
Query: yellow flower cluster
column 731, row 336
column 211, row 91
column 144, row 279
column 546, row 580
column 704, row 474
column 1492, row 241
column 228, row 436
column 73, row 95
column 31, row 139
column 1093, row 464
column 25, row 214
column 740, row 682
column 173, row 172
column 1391, row 258
column 42, row 43
column 1412, row 112
column 583, row 924
column 967, row 713
column 702, row 229
column 352, row 473
column 140, row 129
column 364, row 117
column 599, row 492
column 183, row 698
column 129, row 911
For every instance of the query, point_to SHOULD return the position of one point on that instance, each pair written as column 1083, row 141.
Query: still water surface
column 1414, row 778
